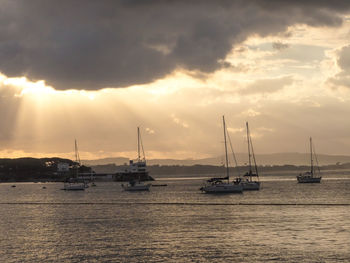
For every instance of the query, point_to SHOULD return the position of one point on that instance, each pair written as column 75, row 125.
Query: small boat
column 217, row 185
column 74, row 183
column 223, row 184
column 136, row 186
column 74, row 186
column 159, row 185
column 251, row 179
column 137, row 170
column 311, row 177
column 13, row 186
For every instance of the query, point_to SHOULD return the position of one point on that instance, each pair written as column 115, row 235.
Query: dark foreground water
column 283, row 222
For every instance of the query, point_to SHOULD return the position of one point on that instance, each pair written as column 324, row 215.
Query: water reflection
column 176, row 223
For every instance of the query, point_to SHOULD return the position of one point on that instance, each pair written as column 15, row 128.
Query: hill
column 262, row 159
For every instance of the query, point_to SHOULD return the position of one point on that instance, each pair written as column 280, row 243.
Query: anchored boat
column 313, row 176
column 137, row 170
column 223, row 184
column 74, row 183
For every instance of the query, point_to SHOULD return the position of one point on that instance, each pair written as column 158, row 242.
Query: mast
column 233, row 154
column 249, row 155
column 143, row 150
column 227, row 168
column 77, row 157
column 255, row 166
column 138, row 144
column 312, row 162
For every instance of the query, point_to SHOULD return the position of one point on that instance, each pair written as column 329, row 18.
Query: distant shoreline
column 281, row 173
column 46, row 170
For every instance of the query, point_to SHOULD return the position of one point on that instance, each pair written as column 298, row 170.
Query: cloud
column 279, row 45
column 178, row 121
column 264, row 86
column 342, row 79
column 236, row 130
column 251, row 113
column 95, row 44
column 150, row 131
column 277, row 125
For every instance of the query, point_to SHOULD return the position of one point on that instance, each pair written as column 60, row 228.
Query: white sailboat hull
column 250, row 185
column 136, row 187
column 223, row 188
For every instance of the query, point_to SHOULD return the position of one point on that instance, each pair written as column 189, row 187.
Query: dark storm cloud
column 95, row 44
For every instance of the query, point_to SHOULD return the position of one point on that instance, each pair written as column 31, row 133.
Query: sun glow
column 179, row 113
column 27, row 87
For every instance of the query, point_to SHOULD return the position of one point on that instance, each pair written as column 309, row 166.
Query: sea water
column 283, row 222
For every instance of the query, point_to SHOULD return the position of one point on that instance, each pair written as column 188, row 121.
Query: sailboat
column 251, row 178
column 223, row 184
column 310, row 177
column 74, row 183
column 137, row 169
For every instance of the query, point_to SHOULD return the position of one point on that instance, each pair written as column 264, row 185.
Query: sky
column 96, row 70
